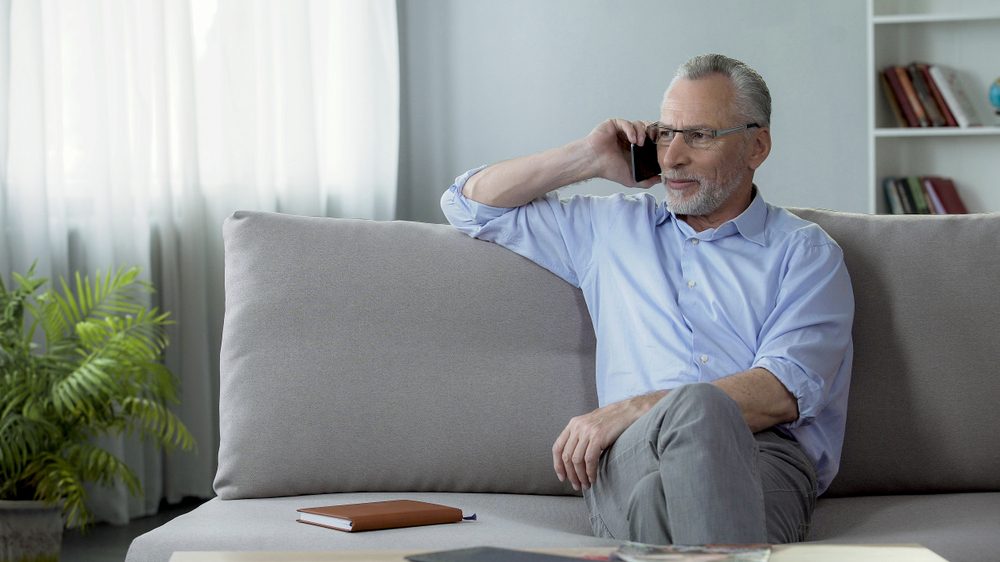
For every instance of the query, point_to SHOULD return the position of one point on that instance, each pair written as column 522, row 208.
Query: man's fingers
column 633, row 131
column 567, row 461
column 592, row 458
column 640, row 132
column 581, row 461
column 627, row 129
column 557, row 451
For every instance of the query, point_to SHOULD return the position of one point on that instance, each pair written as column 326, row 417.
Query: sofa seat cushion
column 959, row 527
column 507, row 520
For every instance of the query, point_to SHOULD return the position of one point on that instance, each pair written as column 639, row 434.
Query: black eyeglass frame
column 712, row 134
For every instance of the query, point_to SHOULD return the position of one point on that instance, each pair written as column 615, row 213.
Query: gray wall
column 486, row 80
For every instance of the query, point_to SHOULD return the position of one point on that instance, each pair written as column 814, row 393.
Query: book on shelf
column 911, row 96
column 903, row 189
column 370, row 516
column 917, row 193
column 933, row 208
column 954, row 96
column 922, row 195
column 892, row 197
column 944, row 189
column 890, row 97
column 899, row 98
column 936, row 205
column 926, row 95
column 925, row 71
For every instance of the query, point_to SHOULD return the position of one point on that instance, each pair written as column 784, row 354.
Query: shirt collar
column 749, row 224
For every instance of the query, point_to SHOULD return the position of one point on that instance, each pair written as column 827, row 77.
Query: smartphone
column 644, row 161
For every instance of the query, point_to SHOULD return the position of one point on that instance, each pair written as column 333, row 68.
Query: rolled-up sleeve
column 558, row 235
column 807, row 337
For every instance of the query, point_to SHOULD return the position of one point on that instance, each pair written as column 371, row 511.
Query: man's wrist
column 584, row 160
column 645, row 402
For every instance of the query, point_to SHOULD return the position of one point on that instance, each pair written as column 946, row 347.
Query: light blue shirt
column 672, row 306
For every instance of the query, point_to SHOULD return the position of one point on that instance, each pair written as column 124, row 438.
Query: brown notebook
column 379, row 515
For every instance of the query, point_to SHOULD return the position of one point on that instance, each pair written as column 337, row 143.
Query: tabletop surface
column 779, row 553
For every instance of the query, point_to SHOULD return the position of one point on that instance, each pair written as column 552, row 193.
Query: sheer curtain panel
column 129, row 129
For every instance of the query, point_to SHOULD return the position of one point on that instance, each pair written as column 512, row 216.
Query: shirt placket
column 691, row 302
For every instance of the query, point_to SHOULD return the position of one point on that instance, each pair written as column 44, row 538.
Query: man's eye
column 664, row 134
column 697, row 135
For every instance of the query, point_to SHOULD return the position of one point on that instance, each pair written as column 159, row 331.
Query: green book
column 919, row 202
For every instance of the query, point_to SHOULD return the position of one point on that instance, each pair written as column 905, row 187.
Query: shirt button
column 695, row 241
column 704, row 359
column 691, row 284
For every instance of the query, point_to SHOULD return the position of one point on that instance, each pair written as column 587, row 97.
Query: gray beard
column 708, row 197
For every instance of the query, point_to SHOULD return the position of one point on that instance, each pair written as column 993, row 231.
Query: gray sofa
column 375, row 360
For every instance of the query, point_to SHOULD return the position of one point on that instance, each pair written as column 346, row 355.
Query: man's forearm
column 516, row 182
column 762, row 399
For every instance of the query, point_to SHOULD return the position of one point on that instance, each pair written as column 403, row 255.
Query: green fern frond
column 22, row 437
column 111, row 296
column 95, row 464
column 67, row 303
column 89, row 384
column 28, row 282
column 161, row 381
column 142, row 334
column 155, row 419
column 56, row 481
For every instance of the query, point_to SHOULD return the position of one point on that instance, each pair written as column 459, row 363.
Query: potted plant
column 97, row 371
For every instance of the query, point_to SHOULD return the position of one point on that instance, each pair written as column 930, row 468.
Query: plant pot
column 30, row 531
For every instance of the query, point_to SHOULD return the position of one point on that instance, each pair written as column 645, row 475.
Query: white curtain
column 129, row 129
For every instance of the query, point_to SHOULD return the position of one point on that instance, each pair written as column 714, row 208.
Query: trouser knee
column 698, row 413
column 699, row 403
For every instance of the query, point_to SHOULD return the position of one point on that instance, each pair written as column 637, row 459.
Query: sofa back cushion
column 392, row 356
column 923, row 413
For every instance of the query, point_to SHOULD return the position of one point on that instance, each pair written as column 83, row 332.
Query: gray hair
column 753, row 99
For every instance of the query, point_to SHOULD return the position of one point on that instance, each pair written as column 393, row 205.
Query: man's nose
column 677, row 153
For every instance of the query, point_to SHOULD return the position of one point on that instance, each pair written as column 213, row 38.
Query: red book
column 948, row 195
column 936, row 93
column 890, row 97
column 897, row 89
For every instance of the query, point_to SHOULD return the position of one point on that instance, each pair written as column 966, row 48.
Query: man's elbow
column 789, row 410
column 782, row 405
column 469, row 189
column 786, row 406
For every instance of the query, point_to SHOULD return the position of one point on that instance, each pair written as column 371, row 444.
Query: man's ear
column 760, row 147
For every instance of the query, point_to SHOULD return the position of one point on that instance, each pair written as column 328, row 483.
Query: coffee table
column 780, row 553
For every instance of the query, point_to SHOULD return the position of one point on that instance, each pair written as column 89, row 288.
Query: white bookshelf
column 963, row 35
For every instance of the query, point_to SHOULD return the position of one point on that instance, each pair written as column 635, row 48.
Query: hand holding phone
column 644, row 161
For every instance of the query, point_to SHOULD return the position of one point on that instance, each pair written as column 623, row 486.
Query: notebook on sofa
column 370, row 516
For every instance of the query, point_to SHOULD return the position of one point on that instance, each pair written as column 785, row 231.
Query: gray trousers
column 689, row 471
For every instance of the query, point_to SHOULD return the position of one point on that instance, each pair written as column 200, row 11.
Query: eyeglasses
column 695, row 138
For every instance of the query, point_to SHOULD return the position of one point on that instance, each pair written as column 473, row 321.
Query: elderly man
column 723, row 323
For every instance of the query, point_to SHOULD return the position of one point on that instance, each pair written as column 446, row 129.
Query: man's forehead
column 705, row 102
